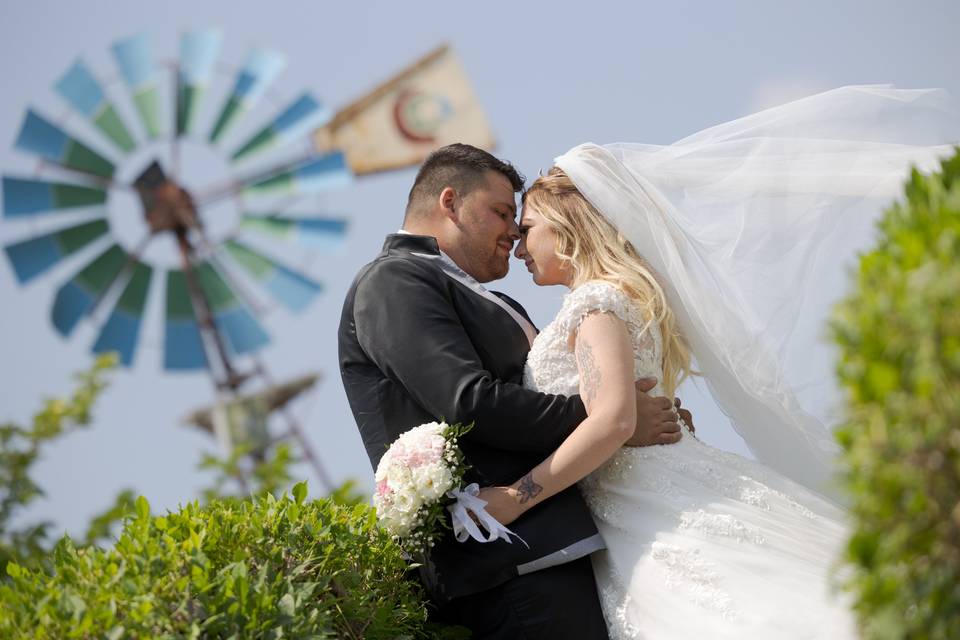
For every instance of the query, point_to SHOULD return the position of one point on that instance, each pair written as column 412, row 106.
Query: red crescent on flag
column 401, row 113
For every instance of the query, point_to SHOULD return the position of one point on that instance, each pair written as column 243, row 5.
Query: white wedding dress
column 701, row 543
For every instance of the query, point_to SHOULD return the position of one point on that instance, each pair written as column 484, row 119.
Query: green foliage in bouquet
column 899, row 334
column 261, row 568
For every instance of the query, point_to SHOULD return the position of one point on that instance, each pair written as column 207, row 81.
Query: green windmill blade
column 198, row 53
column 24, row 197
column 259, row 71
column 121, row 331
column 290, row 288
column 134, row 56
column 33, row 256
column 45, row 139
column 78, row 296
column 80, row 89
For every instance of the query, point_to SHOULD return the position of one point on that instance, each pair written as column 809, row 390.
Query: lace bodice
column 551, row 364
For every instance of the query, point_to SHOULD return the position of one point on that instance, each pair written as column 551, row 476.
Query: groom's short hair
column 460, row 166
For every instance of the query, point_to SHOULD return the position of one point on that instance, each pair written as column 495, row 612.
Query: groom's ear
column 449, row 202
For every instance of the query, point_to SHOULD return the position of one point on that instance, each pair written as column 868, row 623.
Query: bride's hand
column 657, row 420
column 502, row 503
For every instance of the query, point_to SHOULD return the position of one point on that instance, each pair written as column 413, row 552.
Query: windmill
column 209, row 321
column 133, row 164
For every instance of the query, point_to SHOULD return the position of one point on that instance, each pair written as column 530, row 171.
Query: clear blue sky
column 549, row 78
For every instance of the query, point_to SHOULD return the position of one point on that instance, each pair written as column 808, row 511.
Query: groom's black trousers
column 557, row 602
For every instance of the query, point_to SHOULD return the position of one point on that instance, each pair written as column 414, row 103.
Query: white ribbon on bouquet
column 465, row 526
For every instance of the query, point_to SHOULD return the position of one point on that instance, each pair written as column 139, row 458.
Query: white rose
column 406, row 502
column 398, row 477
column 432, row 481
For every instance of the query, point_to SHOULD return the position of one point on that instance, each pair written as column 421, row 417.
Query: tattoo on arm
column 528, row 488
column 589, row 372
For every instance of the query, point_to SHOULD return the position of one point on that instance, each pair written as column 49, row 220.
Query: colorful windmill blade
column 182, row 344
column 134, row 56
column 198, row 53
column 257, row 74
column 293, row 290
column 122, row 329
column 232, row 316
column 24, row 197
column 312, row 233
column 78, row 296
column 82, row 92
column 45, row 139
column 305, row 114
column 32, row 257
column 318, row 174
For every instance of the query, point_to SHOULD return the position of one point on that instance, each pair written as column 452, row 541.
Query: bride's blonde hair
column 594, row 250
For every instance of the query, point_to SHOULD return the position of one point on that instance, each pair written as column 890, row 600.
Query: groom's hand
column 685, row 415
column 657, row 419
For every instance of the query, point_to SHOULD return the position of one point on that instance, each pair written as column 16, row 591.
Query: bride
column 724, row 250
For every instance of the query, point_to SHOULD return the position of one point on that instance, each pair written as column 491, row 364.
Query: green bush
column 261, row 568
column 20, row 448
column 899, row 334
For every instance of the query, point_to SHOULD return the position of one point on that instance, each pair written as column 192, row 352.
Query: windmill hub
column 166, row 205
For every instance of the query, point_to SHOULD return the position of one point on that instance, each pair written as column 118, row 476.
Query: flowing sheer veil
column 753, row 226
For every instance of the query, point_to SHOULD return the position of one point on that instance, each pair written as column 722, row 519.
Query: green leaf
column 300, row 491
column 287, row 605
column 14, row 570
column 143, row 508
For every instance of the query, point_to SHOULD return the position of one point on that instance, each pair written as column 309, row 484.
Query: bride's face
column 538, row 249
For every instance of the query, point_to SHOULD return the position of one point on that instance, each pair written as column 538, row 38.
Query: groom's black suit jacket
column 417, row 345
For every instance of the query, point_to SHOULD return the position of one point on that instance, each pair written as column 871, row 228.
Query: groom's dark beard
column 484, row 263
column 485, row 266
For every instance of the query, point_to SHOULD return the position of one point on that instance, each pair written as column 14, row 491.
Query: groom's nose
column 514, row 230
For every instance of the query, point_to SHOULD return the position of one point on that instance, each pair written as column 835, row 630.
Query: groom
column 421, row 339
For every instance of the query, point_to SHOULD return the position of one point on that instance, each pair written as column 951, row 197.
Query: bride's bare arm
column 605, row 361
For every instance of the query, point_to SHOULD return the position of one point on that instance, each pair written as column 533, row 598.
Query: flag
column 426, row 106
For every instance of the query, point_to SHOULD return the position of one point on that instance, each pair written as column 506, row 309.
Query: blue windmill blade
column 293, row 290
column 303, row 115
column 24, row 197
column 261, row 68
column 311, row 176
column 182, row 343
column 32, row 257
column 198, row 53
column 134, row 56
column 315, row 233
column 78, row 296
column 41, row 137
column 81, row 90
column 122, row 329
column 243, row 333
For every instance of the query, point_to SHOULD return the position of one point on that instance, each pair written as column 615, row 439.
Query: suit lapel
column 451, row 269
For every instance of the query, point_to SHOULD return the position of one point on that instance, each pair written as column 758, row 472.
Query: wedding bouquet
column 418, row 478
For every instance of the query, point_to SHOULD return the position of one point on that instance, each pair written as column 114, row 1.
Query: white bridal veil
column 752, row 226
